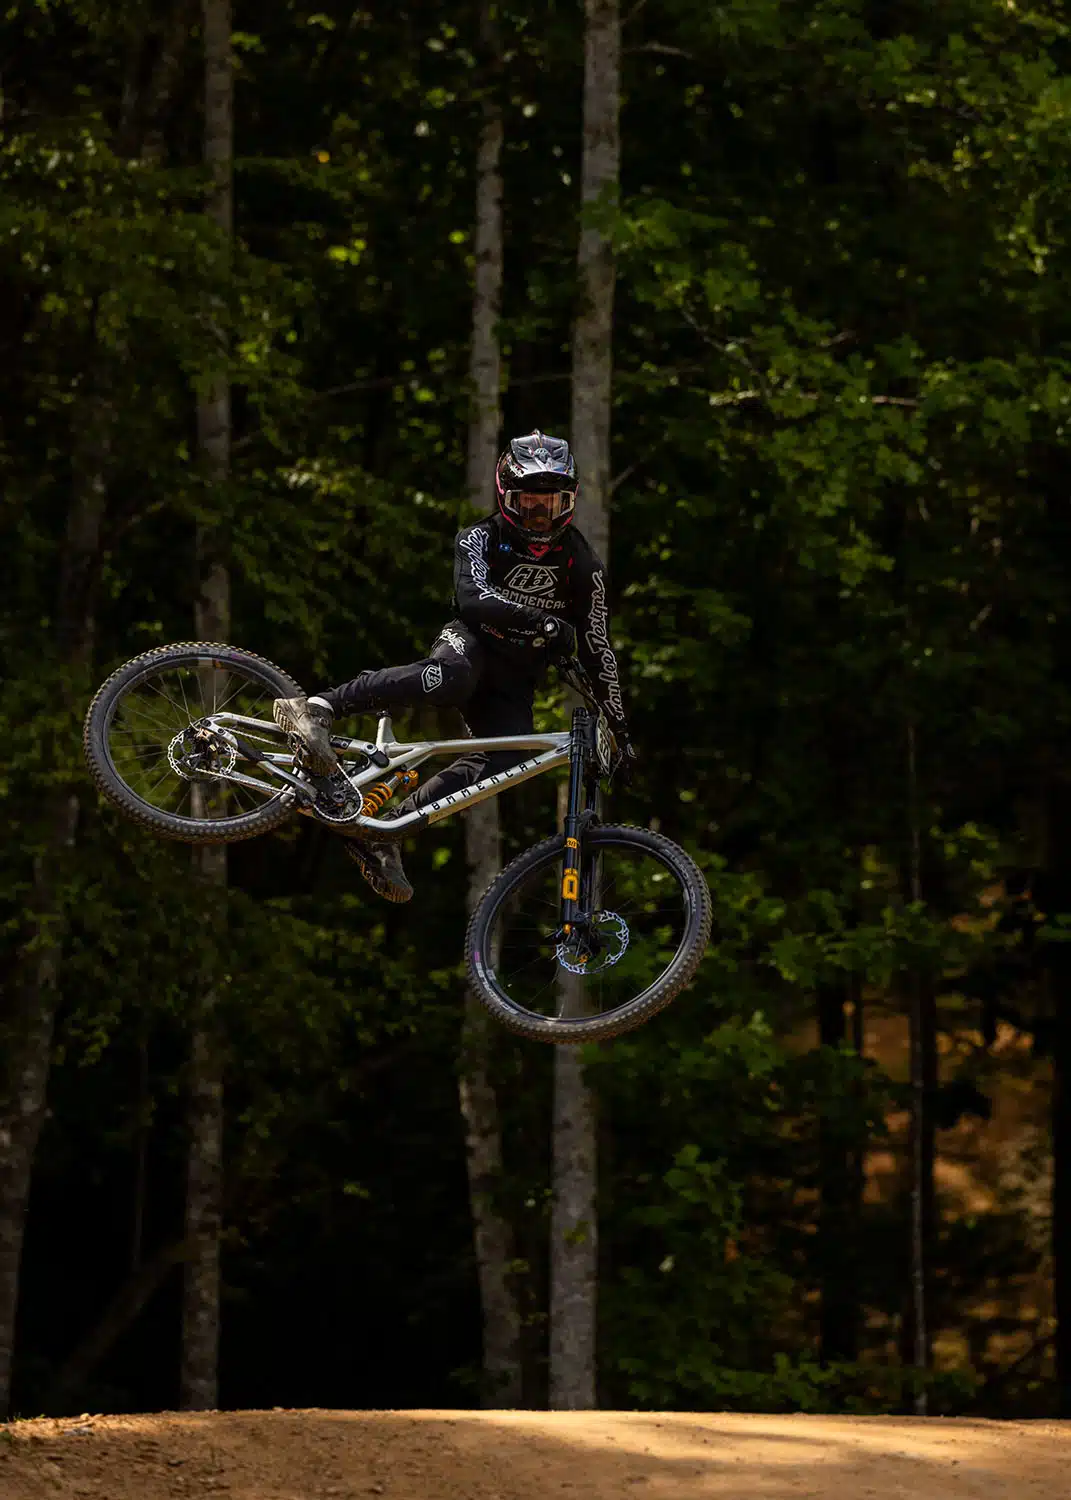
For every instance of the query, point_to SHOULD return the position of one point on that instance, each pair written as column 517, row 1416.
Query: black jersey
column 505, row 591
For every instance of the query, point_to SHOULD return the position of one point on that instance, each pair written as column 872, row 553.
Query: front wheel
column 647, row 925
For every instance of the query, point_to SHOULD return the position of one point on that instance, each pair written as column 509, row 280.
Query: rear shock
column 379, row 795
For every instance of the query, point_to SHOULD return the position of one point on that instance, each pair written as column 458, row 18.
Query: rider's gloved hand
column 625, row 765
column 559, row 636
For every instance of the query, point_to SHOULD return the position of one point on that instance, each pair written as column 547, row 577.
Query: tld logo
column 530, row 578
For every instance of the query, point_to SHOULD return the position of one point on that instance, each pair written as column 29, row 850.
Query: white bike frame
column 554, row 750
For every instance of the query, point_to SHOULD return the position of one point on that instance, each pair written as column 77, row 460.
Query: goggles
column 539, row 505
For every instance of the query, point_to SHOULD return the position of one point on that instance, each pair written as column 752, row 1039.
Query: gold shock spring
column 379, row 795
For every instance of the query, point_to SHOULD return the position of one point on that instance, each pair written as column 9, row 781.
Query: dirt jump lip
column 529, row 1455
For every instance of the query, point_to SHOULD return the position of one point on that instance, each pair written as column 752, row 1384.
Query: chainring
column 337, row 799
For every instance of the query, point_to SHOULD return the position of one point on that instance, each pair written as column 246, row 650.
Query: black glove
column 559, row 636
column 625, row 764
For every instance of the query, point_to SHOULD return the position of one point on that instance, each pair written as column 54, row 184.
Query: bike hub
column 594, row 946
column 202, row 752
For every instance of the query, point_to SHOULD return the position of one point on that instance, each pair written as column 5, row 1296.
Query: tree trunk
column 574, row 1237
column 165, row 75
column 199, row 1375
column 30, row 1010
column 29, row 1018
column 921, row 1152
column 1057, row 900
column 839, row 1317
column 574, row 1220
column 485, row 360
column 1061, row 1187
column 593, row 333
column 493, row 1239
column 198, row 1380
column 857, row 1188
column 921, row 1135
column 27, row 1035
column 141, row 1155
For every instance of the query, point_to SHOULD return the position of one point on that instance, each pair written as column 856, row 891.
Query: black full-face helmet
column 536, row 485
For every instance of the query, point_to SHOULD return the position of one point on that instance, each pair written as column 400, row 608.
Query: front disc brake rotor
column 599, row 947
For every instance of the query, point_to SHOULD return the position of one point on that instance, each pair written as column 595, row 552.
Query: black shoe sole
column 315, row 759
column 398, row 894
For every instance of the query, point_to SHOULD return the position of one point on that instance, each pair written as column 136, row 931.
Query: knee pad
column 448, row 682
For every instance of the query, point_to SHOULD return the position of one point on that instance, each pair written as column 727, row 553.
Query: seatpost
column 578, row 748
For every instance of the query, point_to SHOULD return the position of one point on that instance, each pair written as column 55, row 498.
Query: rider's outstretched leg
column 448, row 676
column 501, row 705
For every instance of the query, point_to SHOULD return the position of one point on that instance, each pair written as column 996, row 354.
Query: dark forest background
column 841, row 561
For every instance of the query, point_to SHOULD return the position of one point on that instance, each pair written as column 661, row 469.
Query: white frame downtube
column 554, row 752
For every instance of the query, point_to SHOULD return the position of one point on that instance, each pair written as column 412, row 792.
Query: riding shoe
column 311, row 721
column 381, row 866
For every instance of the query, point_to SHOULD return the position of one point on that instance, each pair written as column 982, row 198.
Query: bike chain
column 346, row 801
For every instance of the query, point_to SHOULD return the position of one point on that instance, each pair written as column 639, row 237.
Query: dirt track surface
column 425, row 1455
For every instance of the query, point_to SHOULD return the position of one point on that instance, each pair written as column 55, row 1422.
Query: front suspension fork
column 580, row 811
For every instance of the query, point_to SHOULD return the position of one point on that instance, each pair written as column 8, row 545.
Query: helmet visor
column 537, row 510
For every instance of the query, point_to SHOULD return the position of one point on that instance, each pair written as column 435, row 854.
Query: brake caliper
column 202, row 752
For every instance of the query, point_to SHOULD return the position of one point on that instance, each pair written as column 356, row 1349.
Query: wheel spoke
column 185, row 704
column 156, row 785
column 217, row 708
column 168, row 698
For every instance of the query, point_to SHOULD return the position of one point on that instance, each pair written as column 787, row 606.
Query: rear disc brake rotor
column 201, row 753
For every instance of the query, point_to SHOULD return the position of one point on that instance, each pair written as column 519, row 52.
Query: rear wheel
column 647, row 926
column 153, row 754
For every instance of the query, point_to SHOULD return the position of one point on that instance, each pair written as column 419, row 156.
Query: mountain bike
column 582, row 937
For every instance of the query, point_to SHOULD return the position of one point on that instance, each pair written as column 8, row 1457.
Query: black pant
column 493, row 691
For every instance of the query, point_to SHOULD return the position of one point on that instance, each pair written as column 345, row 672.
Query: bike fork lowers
column 576, row 818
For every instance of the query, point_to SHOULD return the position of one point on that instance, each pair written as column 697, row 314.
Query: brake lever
column 571, row 671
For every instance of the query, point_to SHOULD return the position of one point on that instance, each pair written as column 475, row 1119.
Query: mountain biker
column 528, row 588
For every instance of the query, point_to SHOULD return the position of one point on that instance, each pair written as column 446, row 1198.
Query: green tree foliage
column 839, row 520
